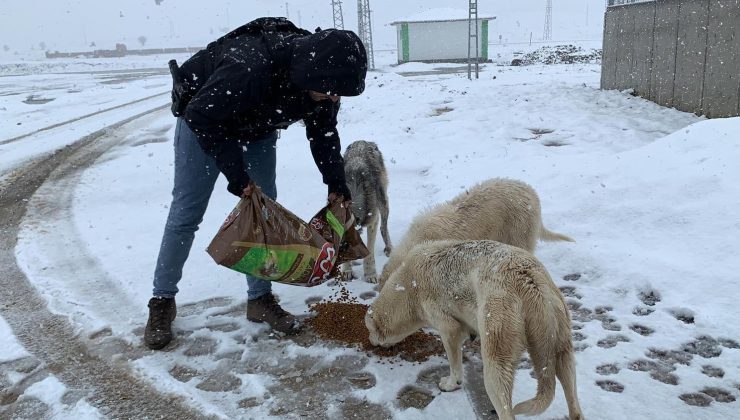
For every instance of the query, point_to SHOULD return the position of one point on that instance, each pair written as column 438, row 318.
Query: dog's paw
column 448, row 384
column 387, row 251
column 347, row 275
column 371, row 278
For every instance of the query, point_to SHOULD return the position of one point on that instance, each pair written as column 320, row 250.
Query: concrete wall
column 678, row 53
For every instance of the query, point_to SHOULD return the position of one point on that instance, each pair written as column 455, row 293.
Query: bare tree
column 142, row 40
column 42, row 45
column 6, row 48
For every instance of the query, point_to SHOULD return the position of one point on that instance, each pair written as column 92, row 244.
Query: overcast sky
column 74, row 24
column 62, row 24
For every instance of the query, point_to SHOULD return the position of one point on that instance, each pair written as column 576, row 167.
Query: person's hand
column 338, row 197
column 249, row 189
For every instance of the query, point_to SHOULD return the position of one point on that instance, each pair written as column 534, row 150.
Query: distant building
column 619, row 2
column 120, row 51
column 439, row 35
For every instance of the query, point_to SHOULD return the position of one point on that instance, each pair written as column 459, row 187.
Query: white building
column 439, row 35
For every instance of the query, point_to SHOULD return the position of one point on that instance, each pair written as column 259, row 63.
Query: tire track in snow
column 49, row 234
column 51, row 338
column 74, row 120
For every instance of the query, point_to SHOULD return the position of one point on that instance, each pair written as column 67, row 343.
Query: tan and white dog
column 499, row 292
column 503, row 210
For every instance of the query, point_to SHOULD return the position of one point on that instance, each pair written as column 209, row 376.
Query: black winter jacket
column 255, row 80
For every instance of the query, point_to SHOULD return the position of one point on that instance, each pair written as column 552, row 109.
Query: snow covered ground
column 47, row 104
column 35, row 94
column 43, row 396
column 648, row 193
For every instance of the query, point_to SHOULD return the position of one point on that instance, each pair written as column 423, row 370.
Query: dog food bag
column 351, row 248
column 263, row 239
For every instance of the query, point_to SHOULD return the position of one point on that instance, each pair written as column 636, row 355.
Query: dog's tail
column 545, row 373
column 547, row 235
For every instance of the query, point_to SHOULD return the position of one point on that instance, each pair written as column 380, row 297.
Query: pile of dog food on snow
column 342, row 319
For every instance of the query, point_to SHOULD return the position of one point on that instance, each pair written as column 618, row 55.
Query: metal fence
column 679, row 53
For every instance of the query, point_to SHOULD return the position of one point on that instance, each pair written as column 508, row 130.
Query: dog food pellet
column 343, row 320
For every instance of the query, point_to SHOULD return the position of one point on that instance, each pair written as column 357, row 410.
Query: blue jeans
column 195, row 175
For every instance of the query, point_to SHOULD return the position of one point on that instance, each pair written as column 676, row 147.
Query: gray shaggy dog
column 367, row 180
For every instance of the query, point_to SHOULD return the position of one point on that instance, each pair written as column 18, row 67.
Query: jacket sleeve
column 322, row 134
column 238, row 83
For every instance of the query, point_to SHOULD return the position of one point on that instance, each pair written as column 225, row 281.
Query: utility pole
column 287, row 12
column 336, row 8
column 365, row 30
column 547, row 36
column 473, row 39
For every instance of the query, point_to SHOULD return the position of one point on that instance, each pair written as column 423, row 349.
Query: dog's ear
column 371, row 323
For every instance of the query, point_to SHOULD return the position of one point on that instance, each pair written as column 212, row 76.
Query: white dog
column 499, row 292
column 499, row 209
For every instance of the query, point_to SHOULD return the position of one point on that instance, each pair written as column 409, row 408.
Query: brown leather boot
column 267, row 309
column 158, row 332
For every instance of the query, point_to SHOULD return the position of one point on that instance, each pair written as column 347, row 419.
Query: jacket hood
column 331, row 61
